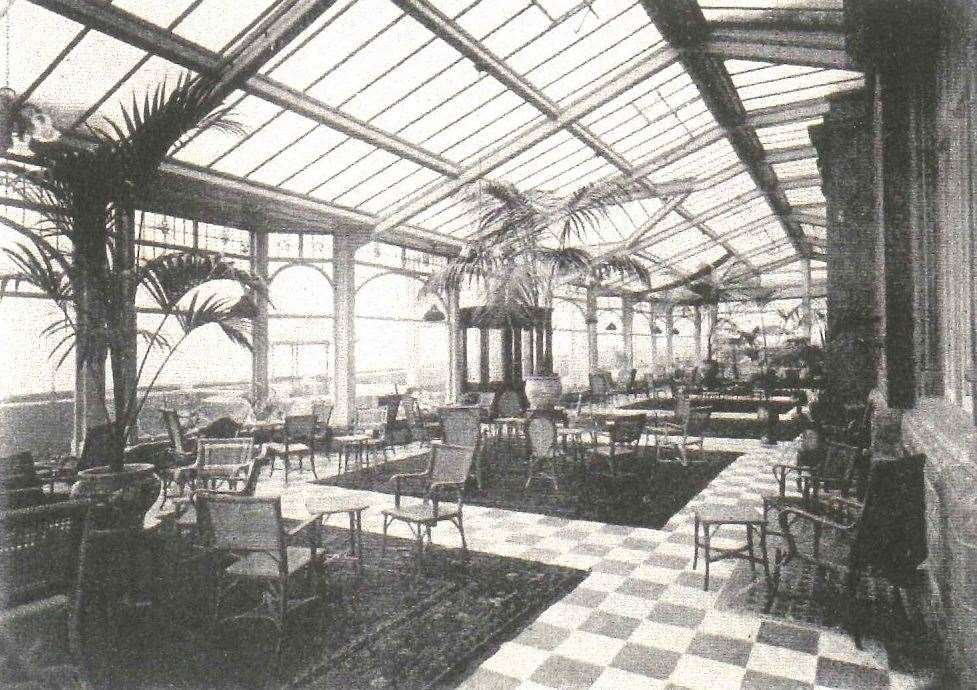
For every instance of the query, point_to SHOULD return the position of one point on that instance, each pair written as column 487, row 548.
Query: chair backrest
column 460, row 425
column 697, row 421
column 224, row 451
column 450, row 463
column 223, row 427
column 390, row 404
column 484, row 401
column 411, row 411
column 241, row 523
column 251, row 482
column 371, row 419
column 39, row 550
column 171, row 422
column 507, row 404
column 840, row 465
column 541, row 433
column 322, row 412
column 300, row 425
column 598, row 384
column 627, row 430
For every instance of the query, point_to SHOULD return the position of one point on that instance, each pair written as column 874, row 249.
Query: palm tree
column 87, row 195
column 523, row 248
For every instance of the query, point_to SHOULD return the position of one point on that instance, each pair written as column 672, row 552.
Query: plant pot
column 769, row 417
column 543, row 391
column 127, row 494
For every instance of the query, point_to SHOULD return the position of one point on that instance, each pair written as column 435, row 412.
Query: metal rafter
column 466, row 44
column 681, row 22
column 137, row 32
column 531, row 134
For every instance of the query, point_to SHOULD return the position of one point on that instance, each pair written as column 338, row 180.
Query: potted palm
column 86, row 196
column 526, row 245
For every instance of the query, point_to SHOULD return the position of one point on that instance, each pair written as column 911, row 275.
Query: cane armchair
column 222, row 461
column 444, row 478
column 323, row 436
column 840, row 534
column 298, row 440
column 252, row 529
column 182, row 455
column 624, row 438
column 543, row 448
column 374, row 422
column 65, row 468
column 687, row 439
column 507, row 403
column 461, row 426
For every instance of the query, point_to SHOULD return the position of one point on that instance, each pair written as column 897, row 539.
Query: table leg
column 763, row 549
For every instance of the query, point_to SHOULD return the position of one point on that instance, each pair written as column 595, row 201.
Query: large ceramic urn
column 543, row 391
column 127, row 495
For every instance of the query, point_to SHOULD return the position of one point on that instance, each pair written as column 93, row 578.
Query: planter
column 131, row 492
column 767, row 414
column 543, row 391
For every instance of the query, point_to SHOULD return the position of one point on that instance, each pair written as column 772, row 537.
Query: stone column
column 344, row 331
column 652, row 319
column 484, row 374
column 456, row 350
column 669, row 336
column 627, row 330
column 259, row 327
column 697, row 332
column 591, row 320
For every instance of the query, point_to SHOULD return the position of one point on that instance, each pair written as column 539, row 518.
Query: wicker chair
column 544, row 448
column 253, row 529
column 600, row 389
column 885, row 533
column 65, row 468
column 182, row 455
column 373, row 422
column 323, row 437
column 447, row 471
column 687, row 438
column 20, row 484
column 624, row 437
column 507, row 403
column 297, row 441
column 461, row 427
column 222, row 460
column 39, row 549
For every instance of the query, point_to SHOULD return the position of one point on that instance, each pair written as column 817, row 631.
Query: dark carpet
column 717, row 404
column 384, row 629
column 644, row 494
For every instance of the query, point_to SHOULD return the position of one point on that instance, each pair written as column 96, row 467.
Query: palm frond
column 233, row 317
column 170, row 277
column 37, row 268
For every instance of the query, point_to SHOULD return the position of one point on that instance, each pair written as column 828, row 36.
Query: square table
column 323, row 507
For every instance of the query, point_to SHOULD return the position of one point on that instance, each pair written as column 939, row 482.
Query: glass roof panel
column 389, row 186
column 26, row 19
column 798, row 168
column 250, row 112
column 159, row 13
column 786, row 135
column 215, row 22
column 485, row 131
column 807, row 195
column 88, row 71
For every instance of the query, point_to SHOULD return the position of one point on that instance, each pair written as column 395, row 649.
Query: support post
column 259, row 327
column 529, row 356
column 344, row 331
column 697, row 332
column 517, row 370
column 483, row 358
column 591, row 319
column 507, row 357
column 652, row 320
column 670, row 336
column 457, row 355
column 627, row 330
column 548, row 344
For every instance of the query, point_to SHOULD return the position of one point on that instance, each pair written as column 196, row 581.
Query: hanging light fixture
column 21, row 123
column 433, row 315
column 611, row 327
column 656, row 330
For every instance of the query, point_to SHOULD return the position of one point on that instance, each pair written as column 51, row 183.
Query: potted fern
column 86, row 195
column 526, row 245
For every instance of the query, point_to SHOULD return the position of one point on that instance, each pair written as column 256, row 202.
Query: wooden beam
column 789, row 112
column 727, row 49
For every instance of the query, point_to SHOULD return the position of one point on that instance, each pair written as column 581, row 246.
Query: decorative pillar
column 517, row 368
column 670, row 335
column 697, row 332
column 548, row 344
column 259, row 327
column 653, row 320
column 507, row 357
column 529, row 352
column 627, row 330
column 712, row 318
column 457, row 355
column 344, row 331
column 590, row 317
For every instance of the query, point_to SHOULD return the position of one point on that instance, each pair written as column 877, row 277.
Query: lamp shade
column 611, row 326
column 433, row 315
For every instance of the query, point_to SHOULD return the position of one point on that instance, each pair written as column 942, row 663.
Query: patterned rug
column 382, row 629
column 644, row 494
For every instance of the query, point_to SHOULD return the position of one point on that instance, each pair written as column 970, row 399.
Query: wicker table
column 712, row 519
column 326, row 506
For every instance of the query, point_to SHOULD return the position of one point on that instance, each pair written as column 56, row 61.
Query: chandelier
column 21, row 123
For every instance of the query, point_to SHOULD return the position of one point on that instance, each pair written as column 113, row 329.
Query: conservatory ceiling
column 359, row 110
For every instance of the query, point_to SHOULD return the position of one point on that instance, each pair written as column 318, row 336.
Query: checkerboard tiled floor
column 641, row 619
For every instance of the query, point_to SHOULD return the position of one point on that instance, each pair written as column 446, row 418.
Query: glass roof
column 468, row 97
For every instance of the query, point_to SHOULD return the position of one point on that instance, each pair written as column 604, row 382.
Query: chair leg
column 461, row 529
column 312, row 464
column 706, row 553
column 695, row 541
column 383, row 548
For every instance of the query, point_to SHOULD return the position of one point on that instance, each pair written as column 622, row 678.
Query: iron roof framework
column 372, row 114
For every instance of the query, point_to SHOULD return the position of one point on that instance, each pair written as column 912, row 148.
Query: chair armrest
column 407, row 476
column 672, row 426
column 814, row 518
column 437, row 487
column 294, row 528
